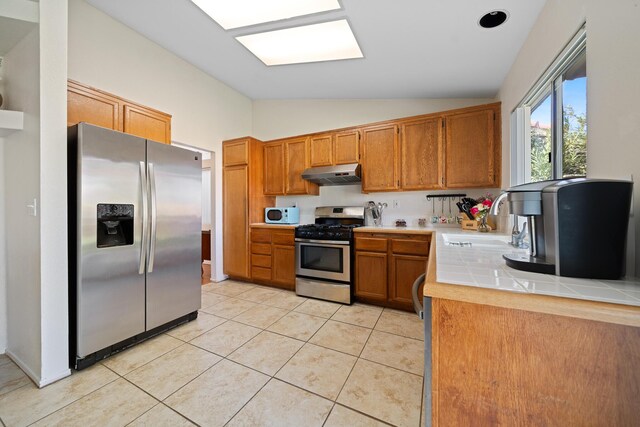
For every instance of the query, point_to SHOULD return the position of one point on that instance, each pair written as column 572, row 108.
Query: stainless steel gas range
column 324, row 254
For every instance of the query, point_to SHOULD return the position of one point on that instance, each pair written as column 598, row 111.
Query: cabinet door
column 91, row 106
column 470, row 150
column 405, row 269
column 321, row 150
column 346, row 148
column 274, row 169
column 283, row 266
column 380, row 158
column 235, row 153
column 147, row 123
column 371, row 275
column 421, row 155
column 296, row 161
column 235, row 190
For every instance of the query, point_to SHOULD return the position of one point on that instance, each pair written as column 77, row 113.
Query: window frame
column 550, row 83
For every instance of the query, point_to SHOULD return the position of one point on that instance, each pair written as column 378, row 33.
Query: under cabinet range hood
column 334, row 175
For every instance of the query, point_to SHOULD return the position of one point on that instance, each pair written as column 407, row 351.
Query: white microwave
column 282, row 215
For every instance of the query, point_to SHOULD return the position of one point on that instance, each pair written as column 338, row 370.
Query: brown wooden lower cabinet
column 405, row 269
column 283, row 271
column 501, row 366
column 371, row 276
column 386, row 266
column 273, row 257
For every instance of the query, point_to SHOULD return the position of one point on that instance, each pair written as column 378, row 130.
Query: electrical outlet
column 394, row 204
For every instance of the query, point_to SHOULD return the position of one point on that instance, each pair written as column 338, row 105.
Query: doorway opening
column 208, row 245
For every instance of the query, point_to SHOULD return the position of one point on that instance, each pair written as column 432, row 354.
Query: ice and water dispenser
column 115, row 225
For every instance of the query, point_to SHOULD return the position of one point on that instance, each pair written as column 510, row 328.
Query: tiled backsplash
column 411, row 205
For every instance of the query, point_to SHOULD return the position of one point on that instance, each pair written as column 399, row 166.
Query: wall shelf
column 10, row 121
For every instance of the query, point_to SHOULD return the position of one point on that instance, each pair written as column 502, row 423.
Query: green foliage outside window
column 574, row 149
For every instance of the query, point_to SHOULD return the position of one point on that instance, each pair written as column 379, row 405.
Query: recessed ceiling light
column 310, row 43
column 241, row 13
column 493, row 19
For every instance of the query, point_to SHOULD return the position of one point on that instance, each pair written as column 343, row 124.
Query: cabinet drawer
column 261, row 261
column 283, row 239
column 261, row 248
column 260, row 273
column 410, row 247
column 371, row 244
column 260, row 235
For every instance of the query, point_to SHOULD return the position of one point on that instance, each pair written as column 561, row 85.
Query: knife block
column 472, row 224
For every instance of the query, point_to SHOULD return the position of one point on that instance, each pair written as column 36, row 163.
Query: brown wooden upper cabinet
column 296, row 157
column 471, row 150
column 321, row 150
column 91, row 105
column 380, row 153
column 421, row 154
column 334, row 149
column 450, row 149
column 274, row 168
column 284, row 162
column 85, row 104
column 235, row 153
column 346, row 147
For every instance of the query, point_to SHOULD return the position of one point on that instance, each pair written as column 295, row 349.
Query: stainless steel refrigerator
column 134, row 240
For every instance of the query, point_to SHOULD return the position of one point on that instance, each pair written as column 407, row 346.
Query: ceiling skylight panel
column 242, row 13
column 328, row 41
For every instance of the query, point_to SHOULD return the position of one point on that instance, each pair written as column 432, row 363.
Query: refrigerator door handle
column 154, row 217
column 145, row 216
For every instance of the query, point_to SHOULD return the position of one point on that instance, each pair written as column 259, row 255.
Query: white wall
column 108, row 55
column 34, row 247
column 3, row 258
column 613, row 86
column 282, row 118
column 411, row 205
column 54, row 320
column 22, row 177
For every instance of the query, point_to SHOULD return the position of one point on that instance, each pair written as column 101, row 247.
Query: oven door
column 323, row 259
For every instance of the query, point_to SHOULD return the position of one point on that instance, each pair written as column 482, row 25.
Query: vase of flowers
column 480, row 212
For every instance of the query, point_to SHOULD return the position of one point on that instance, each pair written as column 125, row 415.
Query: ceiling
column 416, row 49
column 12, row 31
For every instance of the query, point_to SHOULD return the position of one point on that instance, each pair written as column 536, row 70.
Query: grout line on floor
column 74, row 401
column 270, row 377
column 142, row 415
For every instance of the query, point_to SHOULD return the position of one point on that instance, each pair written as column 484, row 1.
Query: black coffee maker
column 577, row 227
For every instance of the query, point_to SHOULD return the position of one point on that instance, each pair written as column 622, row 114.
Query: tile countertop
column 483, row 267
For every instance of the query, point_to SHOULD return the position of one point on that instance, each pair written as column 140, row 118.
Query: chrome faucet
column 517, row 237
column 495, row 207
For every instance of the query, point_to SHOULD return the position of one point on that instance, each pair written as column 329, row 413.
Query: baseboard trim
column 35, row 378
column 39, row 382
column 53, row 379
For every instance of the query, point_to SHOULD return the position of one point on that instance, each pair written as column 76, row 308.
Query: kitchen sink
column 474, row 240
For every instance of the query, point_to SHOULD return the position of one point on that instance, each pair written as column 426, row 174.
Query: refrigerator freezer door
column 110, row 291
column 173, row 267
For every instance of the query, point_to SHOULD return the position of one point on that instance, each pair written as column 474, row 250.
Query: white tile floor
column 255, row 356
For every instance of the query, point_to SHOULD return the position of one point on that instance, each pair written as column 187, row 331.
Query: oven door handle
column 324, row 242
